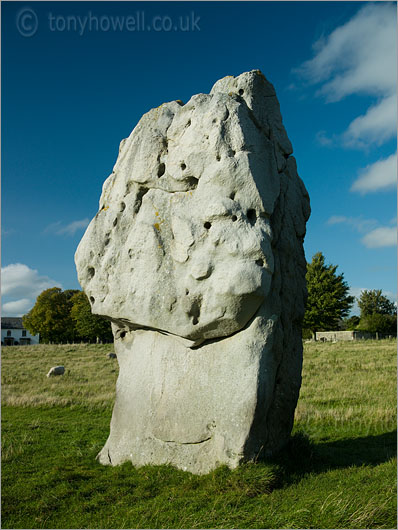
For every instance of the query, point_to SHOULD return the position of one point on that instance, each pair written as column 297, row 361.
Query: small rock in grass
column 56, row 370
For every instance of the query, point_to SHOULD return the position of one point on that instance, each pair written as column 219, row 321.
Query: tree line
column 329, row 303
column 65, row 316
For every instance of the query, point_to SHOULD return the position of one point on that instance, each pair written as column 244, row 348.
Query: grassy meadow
column 338, row 471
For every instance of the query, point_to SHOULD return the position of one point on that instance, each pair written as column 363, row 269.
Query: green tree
column 328, row 300
column 89, row 326
column 373, row 301
column 378, row 313
column 50, row 316
column 351, row 323
column 378, row 323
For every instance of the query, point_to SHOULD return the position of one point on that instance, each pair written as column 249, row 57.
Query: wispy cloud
column 380, row 176
column 358, row 223
column 70, row 229
column 323, row 139
column 73, row 227
column 22, row 285
column 384, row 236
column 7, row 232
column 359, row 57
column 356, row 293
column 375, row 236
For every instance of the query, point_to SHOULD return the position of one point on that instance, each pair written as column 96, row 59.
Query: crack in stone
column 186, row 443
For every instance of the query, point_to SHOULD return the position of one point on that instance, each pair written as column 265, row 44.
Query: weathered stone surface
column 196, row 256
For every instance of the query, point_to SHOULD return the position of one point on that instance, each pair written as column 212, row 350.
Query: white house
column 13, row 333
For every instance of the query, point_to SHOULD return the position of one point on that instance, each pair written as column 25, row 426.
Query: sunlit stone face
column 182, row 240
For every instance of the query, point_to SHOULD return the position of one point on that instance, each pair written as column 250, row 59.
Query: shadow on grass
column 301, row 456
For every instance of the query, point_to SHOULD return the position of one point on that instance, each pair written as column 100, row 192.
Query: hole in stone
column 186, row 291
column 91, row 272
column 234, row 218
column 195, row 311
column 214, row 120
column 183, row 166
column 232, row 196
column 188, row 123
column 106, row 242
column 241, row 91
column 218, row 158
column 161, row 170
column 115, row 222
column 138, row 200
column 207, row 225
column 232, row 152
column 123, row 334
column 122, row 206
column 251, row 215
column 92, row 299
column 192, row 182
column 260, row 262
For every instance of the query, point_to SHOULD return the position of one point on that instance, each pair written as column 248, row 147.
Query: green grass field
column 339, row 470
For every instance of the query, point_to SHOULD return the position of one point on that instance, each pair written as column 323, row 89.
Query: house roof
column 11, row 323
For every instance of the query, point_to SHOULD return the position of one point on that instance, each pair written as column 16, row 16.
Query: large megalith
column 196, row 256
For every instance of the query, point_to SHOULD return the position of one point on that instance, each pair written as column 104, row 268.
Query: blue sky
column 74, row 83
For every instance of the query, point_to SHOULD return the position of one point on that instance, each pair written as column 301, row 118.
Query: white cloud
column 359, row 57
column 69, row 229
column 20, row 280
column 378, row 125
column 23, row 284
column 17, row 308
column 384, row 236
column 376, row 236
column 381, row 175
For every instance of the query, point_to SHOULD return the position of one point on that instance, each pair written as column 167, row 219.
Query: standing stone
column 196, row 256
column 56, row 370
